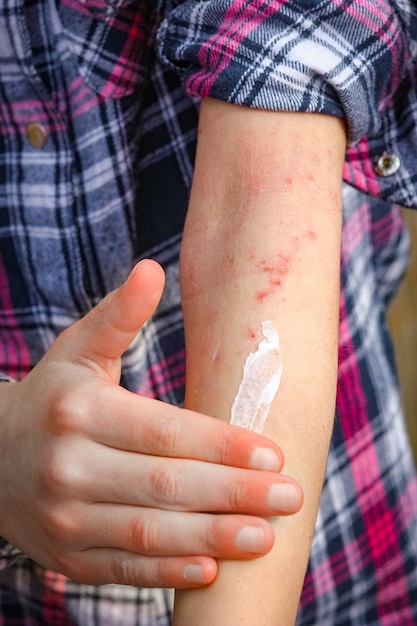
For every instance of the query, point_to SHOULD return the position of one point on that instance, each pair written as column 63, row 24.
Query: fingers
column 152, row 547
column 154, row 532
column 145, row 425
column 103, row 566
column 152, row 427
column 107, row 331
column 184, row 485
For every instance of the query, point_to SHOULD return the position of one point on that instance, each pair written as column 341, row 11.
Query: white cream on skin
column 261, row 378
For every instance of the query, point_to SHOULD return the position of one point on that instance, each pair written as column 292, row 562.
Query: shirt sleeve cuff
column 338, row 58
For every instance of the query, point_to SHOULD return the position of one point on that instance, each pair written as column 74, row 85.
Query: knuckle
column 61, row 524
column 148, row 572
column 144, row 535
column 212, row 539
column 167, row 483
column 239, row 495
column 125, row 571
column 59, row 475
column 68, row 411
column 226, row 446
column 162, row 573
column 165, row 434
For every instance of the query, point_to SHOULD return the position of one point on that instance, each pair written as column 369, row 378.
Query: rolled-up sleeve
column 347, row 58
column 344, row 58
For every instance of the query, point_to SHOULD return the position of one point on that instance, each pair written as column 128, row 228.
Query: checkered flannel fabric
column 110, row 186
column 350, row 58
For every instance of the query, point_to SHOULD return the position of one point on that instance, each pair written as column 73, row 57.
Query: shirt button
column 387, row 164
column 36, row 134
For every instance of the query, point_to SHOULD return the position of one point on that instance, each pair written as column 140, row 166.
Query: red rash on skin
column 275, row 271
column 262, row 295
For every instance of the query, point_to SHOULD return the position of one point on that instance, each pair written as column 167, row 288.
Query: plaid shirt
column 89, row 119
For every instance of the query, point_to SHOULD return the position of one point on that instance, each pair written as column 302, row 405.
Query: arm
column 262, row 242
column 99, row 483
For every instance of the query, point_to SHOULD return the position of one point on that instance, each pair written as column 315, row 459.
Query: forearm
column 262, row 243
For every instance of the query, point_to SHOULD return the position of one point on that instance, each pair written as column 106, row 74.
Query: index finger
column 130, row 422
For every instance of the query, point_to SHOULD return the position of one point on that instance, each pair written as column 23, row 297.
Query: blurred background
column 402, row 319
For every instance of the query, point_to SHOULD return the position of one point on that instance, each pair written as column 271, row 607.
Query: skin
column 104, row 486
column 262, row 242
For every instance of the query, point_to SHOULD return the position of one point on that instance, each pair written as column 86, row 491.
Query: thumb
column 108, row 329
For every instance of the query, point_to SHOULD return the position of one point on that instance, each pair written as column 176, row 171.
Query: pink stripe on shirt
column 14, row 353
column 242, row 17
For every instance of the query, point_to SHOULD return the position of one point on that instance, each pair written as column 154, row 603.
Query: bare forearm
column 262, row 243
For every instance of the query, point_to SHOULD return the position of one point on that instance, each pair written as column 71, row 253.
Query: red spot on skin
column 288, row 181
column 266, row 267
column 261, row 296
column 278, row 269
column 311, row 235
column 275, row 270
column 252, row 334
column 284, row 263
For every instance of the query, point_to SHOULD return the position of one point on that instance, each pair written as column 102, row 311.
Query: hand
column 104, row 486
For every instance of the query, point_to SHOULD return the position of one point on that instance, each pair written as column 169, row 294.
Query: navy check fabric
column 110, row 185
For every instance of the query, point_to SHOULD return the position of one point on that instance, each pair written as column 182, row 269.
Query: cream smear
column 261, row 378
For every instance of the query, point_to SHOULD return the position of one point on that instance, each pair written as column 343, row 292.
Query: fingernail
column 251, row 539
column 265, row 459
column 194, row 574
column 284, row 498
